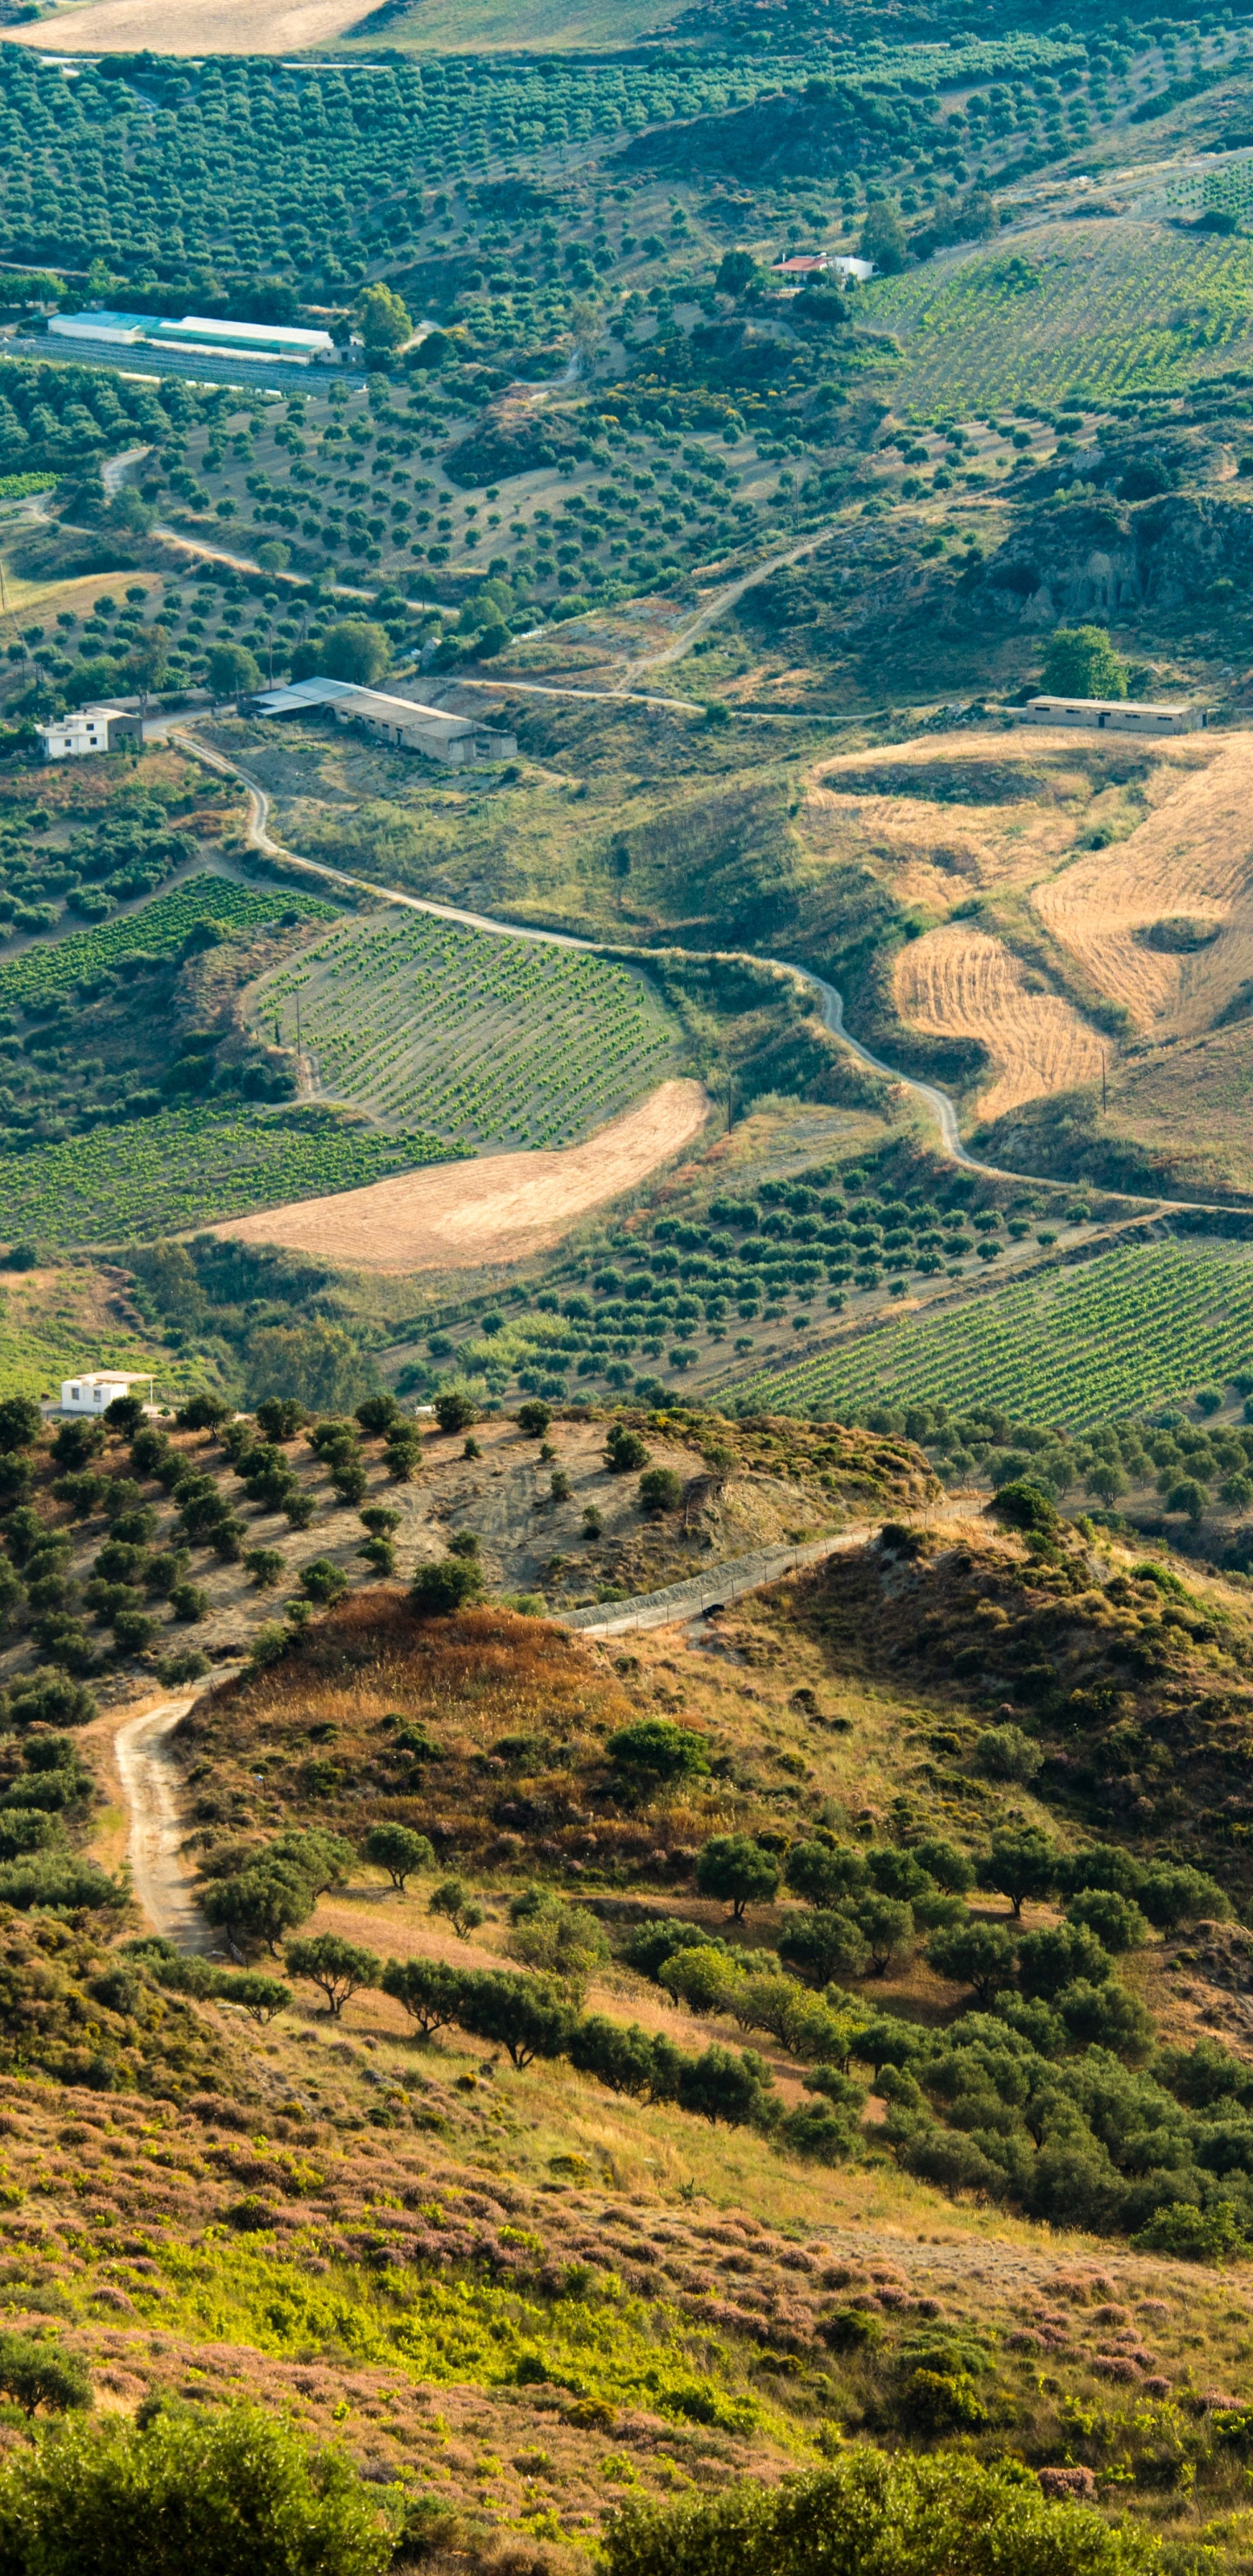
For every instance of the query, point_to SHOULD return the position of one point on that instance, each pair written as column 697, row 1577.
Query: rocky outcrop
column 1089, row 558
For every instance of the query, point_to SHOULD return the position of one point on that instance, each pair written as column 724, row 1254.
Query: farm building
column 456, row 741
column 91, row 1394
column 1109, row 715
column 89, row 729
column 199, row 331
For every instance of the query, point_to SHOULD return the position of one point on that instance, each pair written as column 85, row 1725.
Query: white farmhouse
column 92, row 1393
column 89, row 729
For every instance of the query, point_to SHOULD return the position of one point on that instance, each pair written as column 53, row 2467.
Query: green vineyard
column 1108, row 308
column 1128, row 1331
column 156, row 930
column 482, row 1040
column 188, row 1167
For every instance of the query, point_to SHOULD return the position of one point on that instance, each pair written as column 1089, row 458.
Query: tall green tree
column 1080, row 662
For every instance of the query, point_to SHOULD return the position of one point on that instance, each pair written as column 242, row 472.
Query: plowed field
column 501, row 1208
column 957, row 982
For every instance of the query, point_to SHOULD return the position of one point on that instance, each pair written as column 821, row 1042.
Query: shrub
column 48, row 1878
column 660, row 1490
column 448, row 1585
column 323, row 1581
column 721, row 2085
column 266, row 1566
column 559, row 1940
column 734, row 1867
column 379, row 1416
column 625, row 1452
column 816, row 2130
column 1213, row 2235
column 258, row 1905
column 1113, row 1919
column 1051, row 1959
column 875, row 2515
column 280, row 1417
column 659, row 1750
column 398, row 1850
column 534, row 1418
column 20, row 1422
column 704, row 1979
column 455, row 1411
column 337, row 1966
column 1005, row 1753
column 218, row 2492
column 1023, row 1505
column 189, row 1603
column 825, row 1873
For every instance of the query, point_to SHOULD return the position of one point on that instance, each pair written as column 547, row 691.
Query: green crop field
column 186, row 1167
column 481, row 1040
column 1129, row 1330
column 158, row 930
column 1084, row 311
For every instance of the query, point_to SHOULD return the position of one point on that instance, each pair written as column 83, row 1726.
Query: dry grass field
column 959, row 982
column 1189, row 863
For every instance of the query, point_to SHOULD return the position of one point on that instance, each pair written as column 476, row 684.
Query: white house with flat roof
column 86, row 730
column 98, row 1389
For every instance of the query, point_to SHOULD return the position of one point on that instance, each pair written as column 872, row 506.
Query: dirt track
column 503, row 1207
column 213, row 27
column 151, row 1789
column 958, row 982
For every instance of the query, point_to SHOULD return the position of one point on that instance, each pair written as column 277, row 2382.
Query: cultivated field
column 521, row 26
column 959, row 982
column 1188, row 864
column 1097, row 305
column 1129, row 1330
column 500, row 1209
column 482, row 1040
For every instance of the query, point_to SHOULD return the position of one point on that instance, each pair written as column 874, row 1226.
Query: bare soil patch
column 959, row 982
column 215, row 27
column 503, row 1207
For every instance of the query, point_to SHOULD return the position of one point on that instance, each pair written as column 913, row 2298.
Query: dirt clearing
column 1163, row 921
column 501, row 1208
column 215, row 27
column 958, row 982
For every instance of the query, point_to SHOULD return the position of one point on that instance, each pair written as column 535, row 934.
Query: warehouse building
column 198, row 331
column 1109, row 715
column 456, row 741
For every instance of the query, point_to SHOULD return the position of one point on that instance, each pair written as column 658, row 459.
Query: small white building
column 198, row 331
column 1109, row 715
column 93, row 1393
column 86, row 730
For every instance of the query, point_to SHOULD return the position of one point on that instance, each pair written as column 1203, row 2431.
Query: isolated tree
column 340, row 1968
column 1080, row 662
column 735, row 1868
column 145, row 664
column 1022, row 1863
column 428, row 1990
column 262, row 1998
column 280, row 1417
column 738, row 273
column 534, row 1418
column 384, row 320
column 455, row 1900
column 356, row 649
column 979, row 1955
column 323, row 1581
column 266, row 1566
column 398, row 1850
column 661, row 1491
column 258, row 1906
column 1188, row 1496
column 883, row 238
column 233, row 672
column 35, row 2374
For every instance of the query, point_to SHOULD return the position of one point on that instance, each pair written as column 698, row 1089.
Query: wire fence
column 723, row 1583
